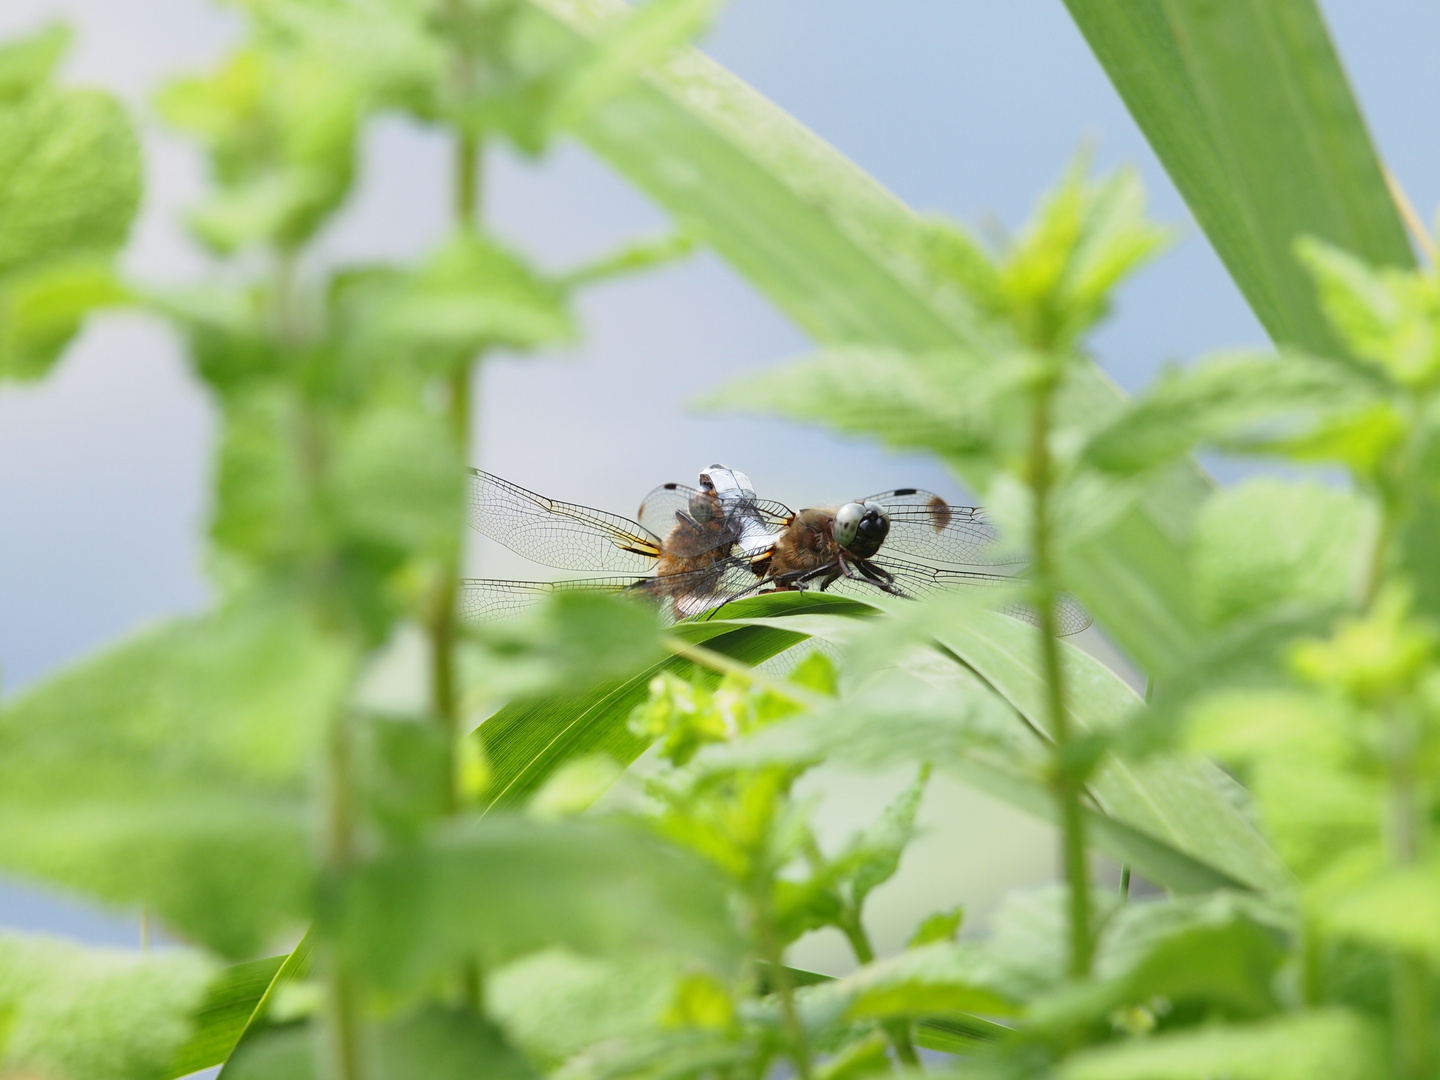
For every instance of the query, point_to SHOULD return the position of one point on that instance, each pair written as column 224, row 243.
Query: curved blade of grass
column 292, row 968
column 837, row 252
column 225, row 1014
column 1247, row 107
column 526, row 741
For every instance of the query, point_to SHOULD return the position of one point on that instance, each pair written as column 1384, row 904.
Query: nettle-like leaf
column 74, row 1012
column 429, row 1044
column 280, row 129
column 69, row 187
column 1265, row 543
column 1389, row 318
column 1289, row 404
column 505, row 887
column 172, row 771
column 1333, row 1043
column 470, row 294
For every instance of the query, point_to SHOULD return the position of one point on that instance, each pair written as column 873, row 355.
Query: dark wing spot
column 905, row 491
column 940, row 513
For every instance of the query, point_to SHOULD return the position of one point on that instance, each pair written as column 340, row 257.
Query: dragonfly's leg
column 879, row 576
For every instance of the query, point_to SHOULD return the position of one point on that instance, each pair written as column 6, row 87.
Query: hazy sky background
column 970, row 107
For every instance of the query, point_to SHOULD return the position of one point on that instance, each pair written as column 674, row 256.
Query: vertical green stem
column 1410, row 989
column 342, row 998
column 1065, row 783
column 772, row 953
column 897, row 1031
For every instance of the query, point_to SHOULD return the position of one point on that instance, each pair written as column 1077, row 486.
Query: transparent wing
column 679, row 596
column 692, row 522
column 482, row 599
column 925, row 525
column 560, row 534
column 916, row 580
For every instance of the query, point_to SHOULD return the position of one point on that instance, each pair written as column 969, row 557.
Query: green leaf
column 69, row 177
column 872, row 856
column 26, row 64
column 567, row 645
column 941, row 926
column 1396, row 909
column 506, row 886
column 1265, row 543
column 469, row 295
column 1187, row 804
column 645, row 39
column 83, row 1013
column 229, row 1002
column 294, row 968
column 1332, row 1043
column 846, row 261
column 43, row 308
column 1211, row 957
column 397, row 481
column 1239, row 99
column 931, row 981
column 1239, row 402
column 431, row 1044
column 527, row 741
column 173, row 771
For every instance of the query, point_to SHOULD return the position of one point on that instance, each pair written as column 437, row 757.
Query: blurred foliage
column 476, row 902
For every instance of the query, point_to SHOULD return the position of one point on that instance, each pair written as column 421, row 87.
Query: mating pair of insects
column 695, row 549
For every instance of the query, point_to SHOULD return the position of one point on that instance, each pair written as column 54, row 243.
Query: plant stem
column 1065, row 783
column 1409, row 975
column 342, row 1004
column 1125, row 881
column 770, row 950
column 897, row 1031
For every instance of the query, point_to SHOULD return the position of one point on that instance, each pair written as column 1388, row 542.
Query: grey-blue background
column 961, row 106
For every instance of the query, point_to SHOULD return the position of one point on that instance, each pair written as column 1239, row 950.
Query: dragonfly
column 703, row 547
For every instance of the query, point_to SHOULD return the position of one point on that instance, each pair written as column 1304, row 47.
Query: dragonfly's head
column 860, row 528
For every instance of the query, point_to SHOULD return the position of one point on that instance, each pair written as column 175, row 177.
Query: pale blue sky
column 971, row 107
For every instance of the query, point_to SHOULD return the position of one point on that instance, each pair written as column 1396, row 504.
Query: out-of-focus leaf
column 935, row 980
column 555, row 1003
column 397, row 481
column 263, row 507
column 69, row 177
column 80, row 1013
column 526, row 741
column 1388, row 318
column 1190, row 805
column 1239, row 99
column 432, row 1044
column 1332, row 1043
column 1419, row 531
column 648, row 37
column 941, row 926
column 848, row 262
column 230, row 1001
column 280, row 130
column 469, row 294
column 1206, row 957
column 1397, row 910
column 26, row 64
column 172, row 771
column 873, row 855
column 1266, row 542
column 1242, row 402
column 506, row 886
column 567, row 645
column 43, row 308
column 630, row 259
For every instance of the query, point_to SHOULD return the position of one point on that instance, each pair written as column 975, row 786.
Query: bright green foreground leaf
column 173, row 771
column 78, row 1013
column 223, row 1015
column 69, row 186
column 1334, row 1044
column 527, row 741
column 506, row 886
column 1241, row 99
column 846, row 261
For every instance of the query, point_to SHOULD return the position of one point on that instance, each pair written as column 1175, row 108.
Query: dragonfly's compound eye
column 847, row 523
column 870, row 533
